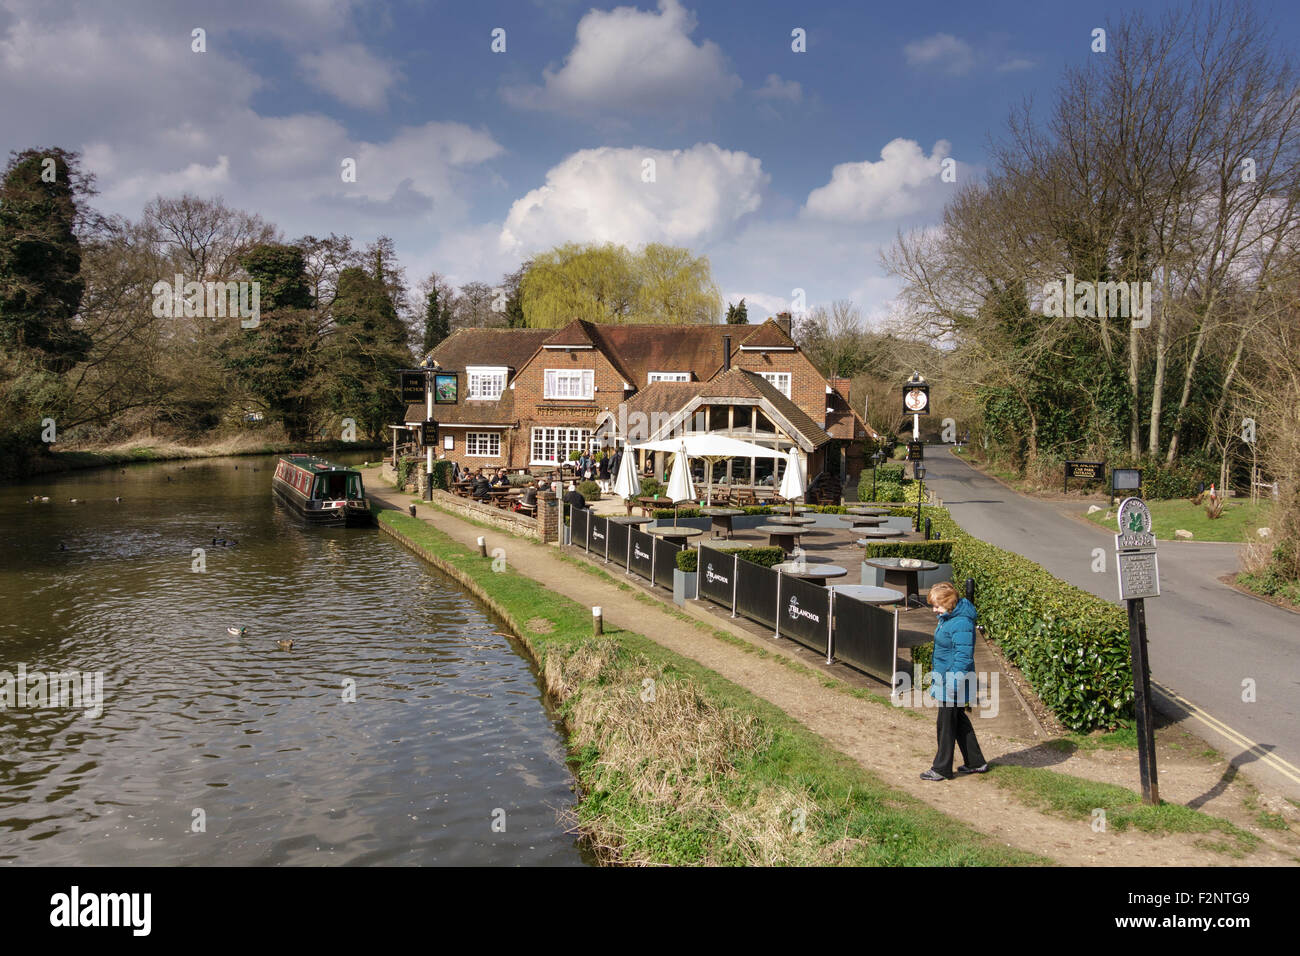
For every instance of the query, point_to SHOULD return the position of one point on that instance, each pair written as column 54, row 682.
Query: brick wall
column 535, row 410
column 807, row 387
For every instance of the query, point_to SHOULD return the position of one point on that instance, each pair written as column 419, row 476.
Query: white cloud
column 629, row 60
column 351, row 74
column 1016, row 63
column 942, row 49
column 778, row 89
column 597, row 195
column 903, row 182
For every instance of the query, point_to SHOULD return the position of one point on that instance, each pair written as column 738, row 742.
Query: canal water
column 221, row 749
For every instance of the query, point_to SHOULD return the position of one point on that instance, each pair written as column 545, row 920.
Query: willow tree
column 610, row 283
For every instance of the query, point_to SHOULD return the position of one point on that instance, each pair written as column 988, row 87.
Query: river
column 403, row 727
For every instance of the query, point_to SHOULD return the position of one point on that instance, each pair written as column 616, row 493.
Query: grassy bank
column 677, row 765
column 1239, row 519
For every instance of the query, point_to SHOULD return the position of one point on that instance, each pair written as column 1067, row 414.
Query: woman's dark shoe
column 982, row 768
column 932, row 775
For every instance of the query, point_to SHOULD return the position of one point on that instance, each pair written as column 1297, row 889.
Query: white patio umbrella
column 712, row 448
column 680, row 486
column 626, row 483
column 792, row 482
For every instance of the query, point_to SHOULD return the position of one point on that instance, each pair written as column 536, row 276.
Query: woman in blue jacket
column 954, row 683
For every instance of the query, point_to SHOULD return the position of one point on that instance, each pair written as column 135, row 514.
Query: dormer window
column 486, row 382
column 669, row 377
column 570, row 383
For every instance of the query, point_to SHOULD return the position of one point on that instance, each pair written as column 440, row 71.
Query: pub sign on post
column 411, row 383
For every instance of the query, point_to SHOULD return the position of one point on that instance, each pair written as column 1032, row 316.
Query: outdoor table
column 863, row 521
column 630, row 520
column 720, row 518
column 867, row 593
column 654, row 504
column 868, row 533
column 791, row 522
column 907, row 578
column 864, row 510
column 783, row 536
column 675, row 535
column 812, row 573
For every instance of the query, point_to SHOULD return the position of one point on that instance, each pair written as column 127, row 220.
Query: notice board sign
column 1139, row 574
column 915, row 451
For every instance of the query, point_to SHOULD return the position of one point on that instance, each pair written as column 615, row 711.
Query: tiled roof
column 500, row 412
column 768, row 335
column 576, row 333
column 639, row 350
column 510, row 347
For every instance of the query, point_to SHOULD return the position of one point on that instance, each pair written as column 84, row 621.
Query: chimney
column 726, row 353
column 783, row 320
column 841, row 385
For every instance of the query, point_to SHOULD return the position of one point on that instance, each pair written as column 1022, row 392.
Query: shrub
column 890, row 492
column 688, row 558
column 589, row 490
column 575, row 455
column 650, row 488
column 938, row 551
column 1071, row 645
column 442, row 474
column 922, row 659
column 890, row 473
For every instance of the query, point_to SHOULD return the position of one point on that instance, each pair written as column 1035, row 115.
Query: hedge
column 937, row 551
column 589, row 490
column 442, row 470
column 1071, row 645
column 688, row 558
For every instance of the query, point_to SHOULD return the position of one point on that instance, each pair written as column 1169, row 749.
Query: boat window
column 354, row 487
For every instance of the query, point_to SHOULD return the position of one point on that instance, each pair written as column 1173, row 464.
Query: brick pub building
column 524, row 399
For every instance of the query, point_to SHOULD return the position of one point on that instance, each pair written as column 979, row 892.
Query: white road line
column 1270, row 759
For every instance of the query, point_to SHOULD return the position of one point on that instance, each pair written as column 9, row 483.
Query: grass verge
column 1239, row 519
column 1079, row 799
column 678, row 765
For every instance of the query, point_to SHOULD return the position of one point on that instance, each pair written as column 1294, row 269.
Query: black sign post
column 411, row 381
column 1086, row 470
column 1139, row 578
column 1125, row 479
column 915, row 451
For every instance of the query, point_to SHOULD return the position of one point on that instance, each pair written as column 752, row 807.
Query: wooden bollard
column 597, row 622
column 482, row 546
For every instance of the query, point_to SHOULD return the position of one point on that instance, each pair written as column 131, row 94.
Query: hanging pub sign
column 444, row 388
column 411, row 383
column 916, row 398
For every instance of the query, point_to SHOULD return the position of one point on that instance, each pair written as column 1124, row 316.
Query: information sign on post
column 1139, row 578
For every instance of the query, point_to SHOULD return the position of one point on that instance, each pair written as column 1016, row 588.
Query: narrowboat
column 320, row 492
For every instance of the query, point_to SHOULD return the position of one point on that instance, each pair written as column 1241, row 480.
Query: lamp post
column 919, row 471
column 877, row 459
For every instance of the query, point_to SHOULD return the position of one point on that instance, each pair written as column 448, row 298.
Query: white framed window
column 551, row 446
column 780, row 379
column 570, row 383
column 483, row 444
column 485, row 382
column 670, row 376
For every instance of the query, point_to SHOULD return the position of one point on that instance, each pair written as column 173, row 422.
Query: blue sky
column 789, row 170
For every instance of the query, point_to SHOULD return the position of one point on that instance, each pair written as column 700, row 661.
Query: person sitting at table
column 529, row 497
column 573, row 498
column 501, row 479
column 482, row 487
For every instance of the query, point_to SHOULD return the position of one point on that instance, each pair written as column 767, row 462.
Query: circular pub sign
column 916, row 399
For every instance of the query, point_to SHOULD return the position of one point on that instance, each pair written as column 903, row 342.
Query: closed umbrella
column 680, row 486
column 792, row 484
column 626, row 483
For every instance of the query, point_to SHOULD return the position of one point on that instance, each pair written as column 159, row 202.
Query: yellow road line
column 1287, row 769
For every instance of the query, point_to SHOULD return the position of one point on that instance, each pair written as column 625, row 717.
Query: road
column 1207, row 641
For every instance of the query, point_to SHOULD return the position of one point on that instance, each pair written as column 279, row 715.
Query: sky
column 483, row 132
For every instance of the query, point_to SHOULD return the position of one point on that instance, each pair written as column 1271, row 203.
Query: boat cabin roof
column 316, row 465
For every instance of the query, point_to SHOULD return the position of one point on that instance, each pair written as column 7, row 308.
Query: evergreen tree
column 365, row 348
column 437, row 321
column 738, row 314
